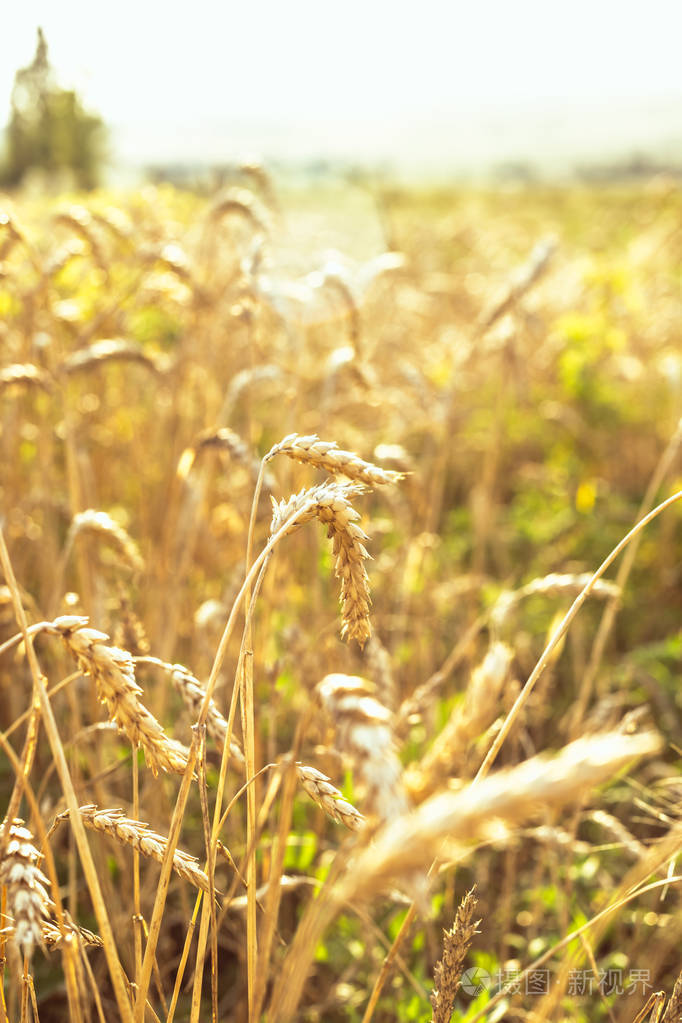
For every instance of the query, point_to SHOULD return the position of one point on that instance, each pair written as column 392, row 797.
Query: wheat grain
column 448, row 971
column 321, row 791
column 140, row 836
column 113, row 673
column 78, row 218
column 328, row 456
column 330, row 503
column 13, row 234
column 28, row 898
column 521, row 282
column 130, row 632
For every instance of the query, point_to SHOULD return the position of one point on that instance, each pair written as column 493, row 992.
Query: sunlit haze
column 418, row 84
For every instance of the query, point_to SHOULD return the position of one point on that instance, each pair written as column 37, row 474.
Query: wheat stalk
column 141, row 837
column 327, row 455
column 113, row 673
column 28, row 898
column 330, row 503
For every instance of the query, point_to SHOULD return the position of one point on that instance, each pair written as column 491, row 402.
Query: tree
column 49, row 128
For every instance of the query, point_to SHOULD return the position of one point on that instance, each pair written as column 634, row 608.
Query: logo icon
column 475, row 980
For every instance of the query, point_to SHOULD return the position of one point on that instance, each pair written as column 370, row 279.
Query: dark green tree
column 49, row 128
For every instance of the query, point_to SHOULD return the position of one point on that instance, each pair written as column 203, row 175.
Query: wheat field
column 339, row 606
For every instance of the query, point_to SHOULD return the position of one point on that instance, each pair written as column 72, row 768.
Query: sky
column 424, row 80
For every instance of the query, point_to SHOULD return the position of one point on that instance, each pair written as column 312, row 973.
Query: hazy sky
column 174, row 79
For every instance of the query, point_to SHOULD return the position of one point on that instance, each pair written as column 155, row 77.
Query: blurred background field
column 511, row 340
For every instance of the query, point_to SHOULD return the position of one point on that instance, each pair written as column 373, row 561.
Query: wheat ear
column 321, row 791
column 480, row 810
column 448, row 971
column 24, row 373
column 140, row 836
column 193, row 694
column 331, row 504
column 364, row 730
column 99, row 522
column 113, row 673
column 673, row 1012
column 28, row 899
column 327, row 455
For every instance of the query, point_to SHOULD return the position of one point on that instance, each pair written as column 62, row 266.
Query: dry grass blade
column 364, row 730
column 328, row 456
column 330, row 503
column 103, row 525
column 140, row 836
column 109, row 350
column 113, row 673
column 28, row 899
column 321, row 791
column 448, row 971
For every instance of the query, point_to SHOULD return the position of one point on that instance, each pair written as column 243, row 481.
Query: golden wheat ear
column 113, row 672
column 448, row 972
column 331, row 504
column 28, row 890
